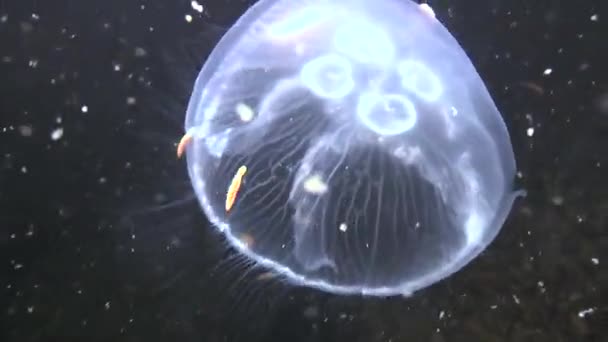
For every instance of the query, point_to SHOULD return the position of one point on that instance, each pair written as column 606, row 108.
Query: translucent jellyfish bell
column 349, row 145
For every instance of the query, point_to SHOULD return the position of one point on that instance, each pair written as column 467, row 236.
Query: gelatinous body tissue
column 377, row 162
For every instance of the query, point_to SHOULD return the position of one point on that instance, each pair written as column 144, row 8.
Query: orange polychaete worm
column 181, row 147
column 234, row 187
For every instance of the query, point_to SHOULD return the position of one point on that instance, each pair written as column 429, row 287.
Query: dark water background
column 92, row 99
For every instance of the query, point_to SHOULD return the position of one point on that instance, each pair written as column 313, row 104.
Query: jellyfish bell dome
column 348, row 145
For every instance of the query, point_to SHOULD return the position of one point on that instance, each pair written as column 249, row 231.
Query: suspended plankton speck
column 315, row 185
column 196, row 6
column 343, row 227
column 57, row 134
column 586, row 312
column 140, row 52
column 131, row 101
column 26, row 130
column 244, row 112
column 530, row 131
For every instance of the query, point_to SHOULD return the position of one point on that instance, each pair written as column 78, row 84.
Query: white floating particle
column 557, row 200
column 244, row 112
column 107, row 305
column 26, row 130
column 196, row 6
column 84, row 109
column 585, row 312
column 547, row 71
column 30, row 309
column 516, row 299
column 188, row 18
column 315, row 185
column 541, row 286
column 595, row 261
column 140, row 52
column 454, row 111
column 530, row 131
column 26, row 27
column 311, row 312
column 441, row 314
column 57, row 134
column 131, row 100
column 343, row 227
column 594, row 17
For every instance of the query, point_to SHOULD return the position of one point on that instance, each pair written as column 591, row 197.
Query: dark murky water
column 101, row 240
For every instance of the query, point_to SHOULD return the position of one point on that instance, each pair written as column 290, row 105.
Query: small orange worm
column 234, row 187
column 181, row 147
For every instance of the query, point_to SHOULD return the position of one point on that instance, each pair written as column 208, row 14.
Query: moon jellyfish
column 376, row 161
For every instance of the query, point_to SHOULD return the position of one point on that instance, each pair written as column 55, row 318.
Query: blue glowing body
column 377, row 161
